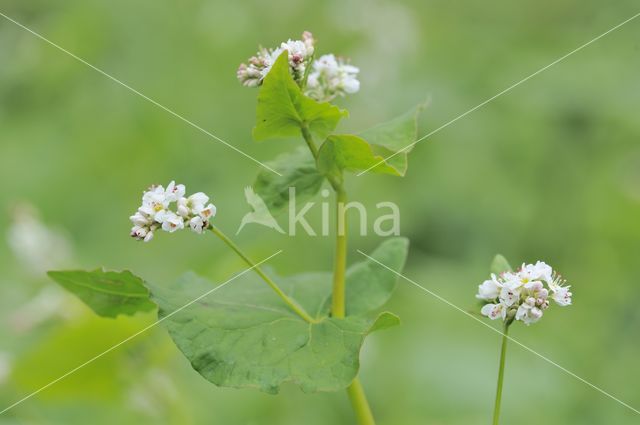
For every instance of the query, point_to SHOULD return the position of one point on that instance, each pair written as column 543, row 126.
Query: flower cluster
column 155, row 213
column 332, row 77
column 327, row 78
column 300, row 54
column 522, row 295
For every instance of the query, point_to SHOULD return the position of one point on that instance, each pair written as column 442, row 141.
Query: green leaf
column 500, row 265
column 107, row 293
column 393, row 136
column 283, row 108
column 370, row 285
column 350, row 153
column 397, row 133
column 398, row 161
column 243, row 336
column 384, row 321
column 298, row 170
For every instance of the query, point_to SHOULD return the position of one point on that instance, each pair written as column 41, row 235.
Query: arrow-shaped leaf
column 283, row 108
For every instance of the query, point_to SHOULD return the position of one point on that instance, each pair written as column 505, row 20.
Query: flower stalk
column 287, row 300
column 194, row 212
column 503, row 354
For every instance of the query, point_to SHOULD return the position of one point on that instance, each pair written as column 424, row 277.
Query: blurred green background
column 549, row 171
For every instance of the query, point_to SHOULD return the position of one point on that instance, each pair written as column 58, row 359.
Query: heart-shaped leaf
column 107, row 293
column 347, row 152
column 283, row 108
column 393, row 140
column 397, row 133
column 243, row 336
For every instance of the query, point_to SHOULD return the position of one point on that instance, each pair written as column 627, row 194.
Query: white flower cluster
column 522, row 295
column 154, row 213
column 300, row 54
column 332, row 77
column 327, row 78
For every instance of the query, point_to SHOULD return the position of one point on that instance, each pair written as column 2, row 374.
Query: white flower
column 207, row 212
column 562, row 296
column 144, row 233
column 139, row 232
column 331, row 77
column 326, row 64
column 536, row 289
column 174, row 192
column 494, row 311
column 298, row 50
column 140, row 219
column 183, row 209
column 155, row 212
column 524, row 292
column 171, row 221
column 154, row 201
column 538, row 271
column 269, row 60
column 197, row 224
column 249, row 75
column 528, row 313
column 350, row 83
column 149, row 236
column 191, row 205
column 299, row 54
column 489, row 289
column 197, row 200
column 510, row 292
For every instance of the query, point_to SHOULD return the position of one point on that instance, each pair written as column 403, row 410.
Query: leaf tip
column 500, row 264
column 384, row 320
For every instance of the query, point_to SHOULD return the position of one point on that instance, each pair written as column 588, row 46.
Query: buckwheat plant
column 523, row 296
column 262, row 330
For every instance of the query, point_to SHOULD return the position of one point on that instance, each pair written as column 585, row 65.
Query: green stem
column 307, row 71
column 306, row 134
column 503, row 353
column 308, row 138
column 291, row 303
column 338, row 309
column 360, row 403
column 355, row 391
column 338, row 301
